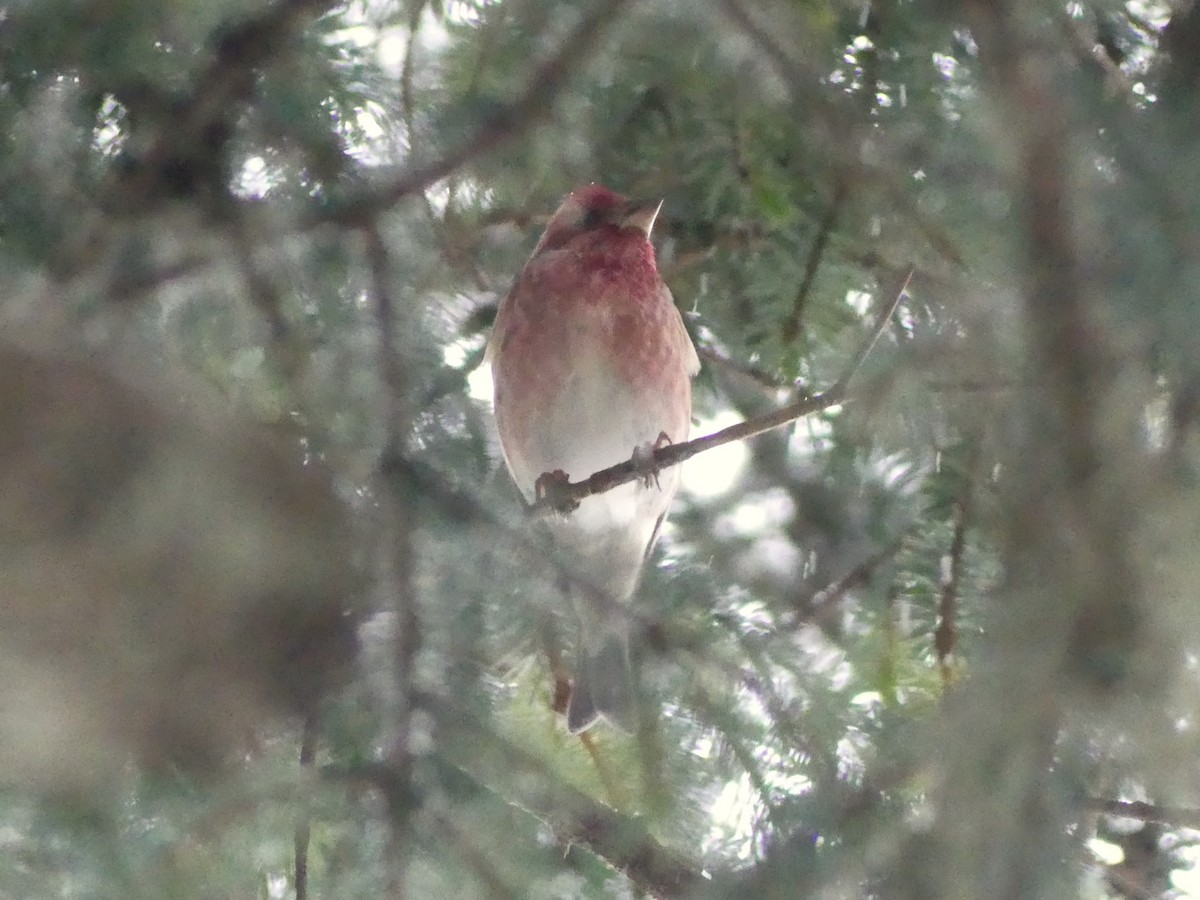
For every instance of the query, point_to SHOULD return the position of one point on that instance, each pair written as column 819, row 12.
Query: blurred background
column 273, row 622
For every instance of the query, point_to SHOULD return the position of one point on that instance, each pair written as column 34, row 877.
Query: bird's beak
column 641, row 214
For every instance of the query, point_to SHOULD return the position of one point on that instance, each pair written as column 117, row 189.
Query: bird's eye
column 593, row 218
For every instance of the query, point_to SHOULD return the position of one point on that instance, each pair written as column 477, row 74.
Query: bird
column 592, row 364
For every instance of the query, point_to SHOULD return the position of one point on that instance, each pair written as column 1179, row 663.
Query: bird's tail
column 603, row 685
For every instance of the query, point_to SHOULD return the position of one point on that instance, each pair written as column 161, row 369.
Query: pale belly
column 576, row 413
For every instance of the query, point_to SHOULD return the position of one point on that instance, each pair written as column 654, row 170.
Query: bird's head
column 595, row 211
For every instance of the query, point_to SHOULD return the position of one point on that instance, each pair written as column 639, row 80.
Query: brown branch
column 1069, row 616
column 945, row 635
column 526, row 782
column 396, row 564
column 1171, row 816
column 476, row 857
column 564, row 498
column 817, row 601
column 203, row 125
column 791, row 325
column 762, row 378
column 508, row 123
column 262, row 292
column 308, row 754
column 604, row 771
column 896, row 292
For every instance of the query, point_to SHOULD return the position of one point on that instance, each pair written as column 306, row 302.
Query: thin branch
column 575, row 818
column 396, row 564
column 841, row 193
column 896, row 292
column 475, row 856
column 761, row 377
column 535, row 103
column 308, row 754
column 1171, row 816
column 205, row 121
column 603, row 771
column 262, row 292
column 791, row 325
column 818, row 601
column 946, row 633
column 564, row 498
column 526, row 782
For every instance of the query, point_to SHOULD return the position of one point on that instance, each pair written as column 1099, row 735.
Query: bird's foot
column 643, row 459
column 553, row 489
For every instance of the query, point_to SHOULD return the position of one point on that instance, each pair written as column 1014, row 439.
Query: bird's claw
column 553, row 489
column 643, row 459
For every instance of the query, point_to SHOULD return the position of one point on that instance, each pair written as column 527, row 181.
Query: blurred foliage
column 920, row 639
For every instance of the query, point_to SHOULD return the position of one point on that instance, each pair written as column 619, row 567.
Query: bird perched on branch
column 591, row 362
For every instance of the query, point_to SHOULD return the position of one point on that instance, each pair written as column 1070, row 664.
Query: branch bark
column 564, row 498
column 511, row 121
column 525, row 781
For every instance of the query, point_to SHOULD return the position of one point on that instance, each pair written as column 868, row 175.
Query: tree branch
column 192, row 145
column 809, row 606
column 1171, row 816
column 795, row 319
column 509, row 122
column 308, row 754
column 564, row 498
column 524, row 780
column 395, row 558
column 945, row 636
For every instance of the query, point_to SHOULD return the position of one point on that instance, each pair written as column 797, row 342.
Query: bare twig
column 564, row 499
column 534, row 103
column 524, row 781
column 792, row 324
column 477, row 857
column 832, row 593
column 568, row 497
column 308, row 754
column 575, row 818
column 1171, row 816
column 204, row 122
column 262, row 292
column 896, row 293
column 759, row 376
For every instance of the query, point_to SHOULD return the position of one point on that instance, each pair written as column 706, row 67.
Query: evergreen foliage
column 936, row 638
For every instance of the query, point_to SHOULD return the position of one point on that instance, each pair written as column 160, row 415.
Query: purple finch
column 590, row 362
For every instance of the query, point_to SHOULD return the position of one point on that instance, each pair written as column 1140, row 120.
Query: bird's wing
column 691, row 358
column 498, row 327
